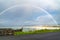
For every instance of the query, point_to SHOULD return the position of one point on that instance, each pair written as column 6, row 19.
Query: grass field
column 36, row 32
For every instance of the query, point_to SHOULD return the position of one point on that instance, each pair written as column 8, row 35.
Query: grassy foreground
column 36, row 32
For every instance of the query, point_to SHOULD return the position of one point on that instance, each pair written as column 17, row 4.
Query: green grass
column 36, row 32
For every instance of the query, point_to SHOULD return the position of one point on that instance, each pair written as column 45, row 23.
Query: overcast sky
column 29, row 12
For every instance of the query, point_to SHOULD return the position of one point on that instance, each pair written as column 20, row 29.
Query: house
column 8, row 31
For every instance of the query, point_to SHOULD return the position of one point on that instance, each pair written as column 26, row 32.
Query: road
column 46, row 36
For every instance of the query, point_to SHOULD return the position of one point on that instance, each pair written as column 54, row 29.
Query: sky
column 29, row 12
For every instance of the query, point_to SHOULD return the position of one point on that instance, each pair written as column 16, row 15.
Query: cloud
column 41, row 20
column 45, row 20
column 47, row 4
column 28, row 17
column 3, row 21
